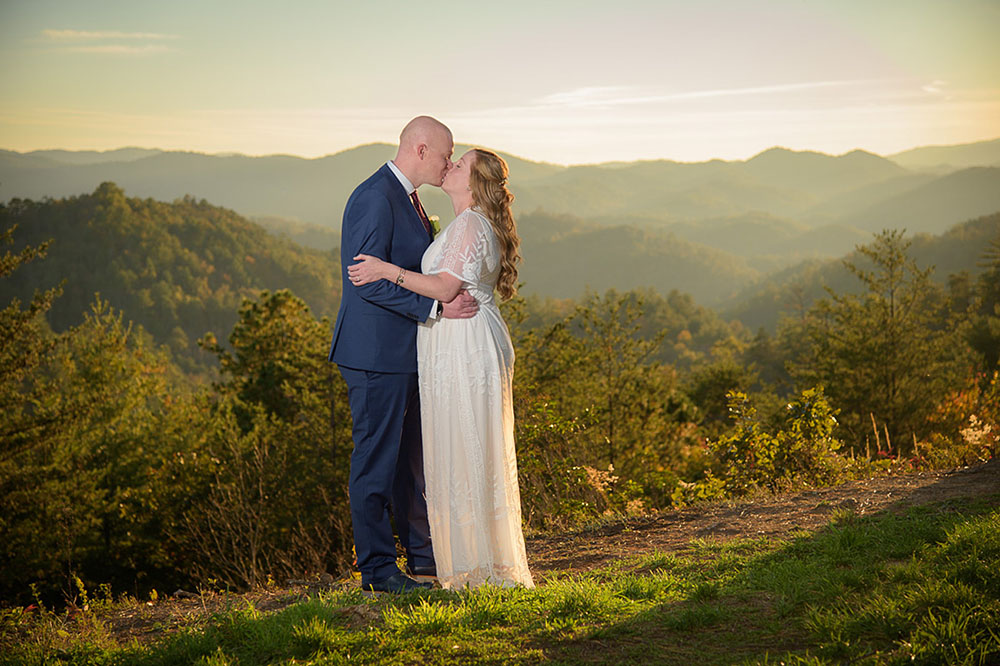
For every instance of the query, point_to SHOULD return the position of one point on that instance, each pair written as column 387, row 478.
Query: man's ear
column 421, row 149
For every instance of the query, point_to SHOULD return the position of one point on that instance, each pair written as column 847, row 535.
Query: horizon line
column 519, row 157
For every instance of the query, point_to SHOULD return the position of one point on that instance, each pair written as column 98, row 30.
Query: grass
column 918, row 587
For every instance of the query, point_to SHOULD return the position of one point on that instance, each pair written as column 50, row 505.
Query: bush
column 803, row 450
column 966, row 426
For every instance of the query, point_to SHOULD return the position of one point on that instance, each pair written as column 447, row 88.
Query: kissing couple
column 429, row 365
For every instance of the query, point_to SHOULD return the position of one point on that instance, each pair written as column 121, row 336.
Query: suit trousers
column 387, row 473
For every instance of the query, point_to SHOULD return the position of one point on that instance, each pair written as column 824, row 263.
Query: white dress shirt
column 408, row 186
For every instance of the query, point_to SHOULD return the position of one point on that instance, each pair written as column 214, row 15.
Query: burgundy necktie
column 420, row 212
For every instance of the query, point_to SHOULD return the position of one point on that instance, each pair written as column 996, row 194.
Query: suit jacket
column 376, row 326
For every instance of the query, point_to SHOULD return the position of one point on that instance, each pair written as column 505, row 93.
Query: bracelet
column 399, row 278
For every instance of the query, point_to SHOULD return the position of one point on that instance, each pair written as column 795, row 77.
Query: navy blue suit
column 375, row 346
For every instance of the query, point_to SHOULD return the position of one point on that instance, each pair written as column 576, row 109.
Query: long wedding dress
column 465, row 368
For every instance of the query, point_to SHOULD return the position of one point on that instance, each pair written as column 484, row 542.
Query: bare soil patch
column 773, row 517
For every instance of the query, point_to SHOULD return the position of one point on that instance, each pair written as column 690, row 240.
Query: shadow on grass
column 913, row 582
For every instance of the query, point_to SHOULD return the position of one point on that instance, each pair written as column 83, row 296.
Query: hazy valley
column 735, row 235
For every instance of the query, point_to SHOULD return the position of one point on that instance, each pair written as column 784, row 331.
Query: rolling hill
column 564, row 256
column 802, row 186
column 180, row 269
column 787, row 291
column 935, row 206
column 949, row 158
column 768, row 242
column 313, row 191
column 698, row 227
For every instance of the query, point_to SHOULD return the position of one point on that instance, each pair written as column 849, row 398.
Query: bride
column 465, row 369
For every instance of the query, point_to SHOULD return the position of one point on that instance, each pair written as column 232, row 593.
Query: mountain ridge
column 815, row 195
column 760, row 305
column 976, row 153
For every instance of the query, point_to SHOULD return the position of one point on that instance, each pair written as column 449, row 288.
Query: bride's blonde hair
column 488, row 182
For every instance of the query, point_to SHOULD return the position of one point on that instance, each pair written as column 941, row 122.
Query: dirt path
column 761, row 517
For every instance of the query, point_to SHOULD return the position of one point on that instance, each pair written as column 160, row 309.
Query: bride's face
column 457, row 180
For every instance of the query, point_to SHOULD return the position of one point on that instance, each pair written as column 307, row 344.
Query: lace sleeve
column 464, row 249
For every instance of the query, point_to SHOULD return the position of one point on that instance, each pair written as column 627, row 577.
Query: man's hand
column 462, row 306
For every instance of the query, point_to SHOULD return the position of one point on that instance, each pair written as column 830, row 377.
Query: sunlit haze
column 560, row 81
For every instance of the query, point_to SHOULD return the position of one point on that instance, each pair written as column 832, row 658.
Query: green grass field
column 919, row 587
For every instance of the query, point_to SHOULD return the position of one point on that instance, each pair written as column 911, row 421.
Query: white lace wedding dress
column 465, row 368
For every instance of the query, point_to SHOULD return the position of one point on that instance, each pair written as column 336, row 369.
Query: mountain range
column 807, row 187
column 182, row 269
column 708, row 228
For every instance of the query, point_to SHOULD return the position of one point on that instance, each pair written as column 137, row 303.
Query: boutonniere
column 435, row 224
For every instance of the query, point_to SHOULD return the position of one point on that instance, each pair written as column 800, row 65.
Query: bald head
column 425, row 148
column 423, row 129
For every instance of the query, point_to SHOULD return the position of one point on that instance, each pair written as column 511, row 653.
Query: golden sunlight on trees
column 131, row 457
column 882, row 355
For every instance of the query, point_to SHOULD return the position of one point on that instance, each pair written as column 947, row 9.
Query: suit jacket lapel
column 403, row 200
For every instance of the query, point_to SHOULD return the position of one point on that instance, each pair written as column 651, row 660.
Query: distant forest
column 708, row 229
column 180, row 270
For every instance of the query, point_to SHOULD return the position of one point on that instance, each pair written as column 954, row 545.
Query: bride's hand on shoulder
column 368, row 270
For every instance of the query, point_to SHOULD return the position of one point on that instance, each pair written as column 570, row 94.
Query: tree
column 79, row 500
column 24, row 344
column 708, row 386
column 881, row 354
column 280, row 439
column 984, row 330
column 590, row 394
column 627, row 390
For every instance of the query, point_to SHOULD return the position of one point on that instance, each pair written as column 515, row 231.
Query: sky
column 563, row 81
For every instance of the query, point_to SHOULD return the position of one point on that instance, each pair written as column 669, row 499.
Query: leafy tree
column 24, row 344
column 709, row 385
column 627, row 390
column 984, row 329
column 277, row 354
column 77, row 502
column 280, row 445
column 881, row 354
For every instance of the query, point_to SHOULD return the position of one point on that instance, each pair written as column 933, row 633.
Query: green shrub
column 803, row 450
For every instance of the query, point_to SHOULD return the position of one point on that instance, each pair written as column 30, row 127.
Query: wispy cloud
column 601, row 123
column 108, row 42
column 607, row 96
column 586, row 96
column 100, row 35
column 119, row 49
column 938, row 88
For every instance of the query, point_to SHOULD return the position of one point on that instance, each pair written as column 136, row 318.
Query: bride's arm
column 440, row 286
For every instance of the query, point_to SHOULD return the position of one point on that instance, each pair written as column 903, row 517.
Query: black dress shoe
column 396, row 583
column 429, row 570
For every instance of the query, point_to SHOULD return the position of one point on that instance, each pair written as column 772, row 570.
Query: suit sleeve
column 368, row 230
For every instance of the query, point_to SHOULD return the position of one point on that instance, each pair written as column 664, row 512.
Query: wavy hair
column 488, row 182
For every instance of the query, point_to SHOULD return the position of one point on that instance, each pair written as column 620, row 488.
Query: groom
column 374, row 344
